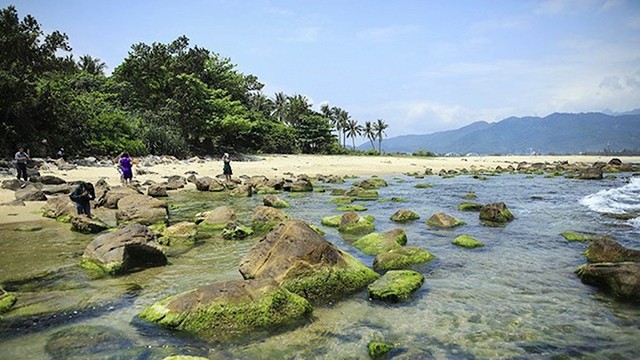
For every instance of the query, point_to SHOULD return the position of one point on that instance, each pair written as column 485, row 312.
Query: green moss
column 376, row 243
column 573, row 236
column 98, row 270
column 467, row 242
column 423, row 186
column 402, row 258
column 277, row 307
column 332, row 221
column 395, row 285
column 341, row 200
column 404, row 215
column 359, row 193
column 378, row 349
column 398, row 199
column 467, row 206
column 364, row 225
column 317, row 229
column 7, row 300
column 158, row 227
column 470, row 195
column 238, row 232
column 352, row 208
column 337, row 192
column 332, row 282
column 440, row 220
column 64, row 218
column 206, row 227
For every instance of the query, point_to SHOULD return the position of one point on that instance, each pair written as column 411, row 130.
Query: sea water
column 515, row 298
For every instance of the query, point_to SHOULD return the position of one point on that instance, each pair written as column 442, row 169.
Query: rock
column 50, row 180
column 237, row 306
column 300, row 185
column 217, row 186
column 236, row 231
column 14, row 203
column 85, row 342
column 60, row 208
column 373, row 182
column 7, row 300
column 395, row 285
column 138, row 208
column 404, row 215
column 402, row 258
column 622, row 279
column 275, row 201
column 379, row 349
column 352, row 207
column 203, row 183
column 495, row 214
column 112, row 196
column 592, row 173
column 467, row 206
column 376, row 243
column 242, row 191
column 30, row 193
column 216, row 219
column 56, row 189
column 608, row 250
column 359, row 193
column 126, row 249
column 332, row 221
column 442, row 220
column 180, row 234
column 352, row 223
column 266, row 218
column 157, row 190
column 303, row 262
column 583, row 237
column 12, row 184
column 467, row 241
column 84, row 224
column 615, row 162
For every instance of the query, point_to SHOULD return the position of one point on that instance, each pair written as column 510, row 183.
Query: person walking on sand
column 226, row 169
column 126, row 165
column 21, row 158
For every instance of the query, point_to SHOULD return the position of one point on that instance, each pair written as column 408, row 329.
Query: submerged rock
column 620, row 279
column 608, row 250
column 495, row 214
column 127, row 249
column 86, row 342
column 275, row 201
column 404, row 215
column 379, row 349
column 468, row 206
column 395, row 285
column 467, row 241
column 402, row 258
column 442, row 220
column 376, row 243
column 302, row 261
column 231, row 306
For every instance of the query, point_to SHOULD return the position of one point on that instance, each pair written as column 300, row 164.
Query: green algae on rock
column 395, row 285
column 359, row 193
column 265, row 218
column 232, row 306
column 236, row 231
column 373, row 182
column 468, row 206
column 275, row 201
column 378, row 349
column 352, row 223
column 496, row 214
column 216, row 219
column 442, row 220
column 376, row 243
column 404, row 215
column 183, row 234
column 7, row 300
column 352, row 207
column 467, row 241
column 402, row 258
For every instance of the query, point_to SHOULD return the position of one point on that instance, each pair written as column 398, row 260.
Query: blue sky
column 421, row 66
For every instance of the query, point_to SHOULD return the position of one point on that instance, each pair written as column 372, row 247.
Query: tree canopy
column 170, row 98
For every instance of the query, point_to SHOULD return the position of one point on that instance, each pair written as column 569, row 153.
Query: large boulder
column 442, row 220
column 402, row 258
column 404, row 215
column 216, row 219
column 86, row 225
column 30, row 193
column 50, row 180
column 12, row 184
column 112, row 196
column 495, row 214
column 354, row 224
column 237, row 306
column 591, row 173
column 157, row 190
column 203, row 183
column 132, row 247
column 620, row 279
column 302, row 261
column 138, row 208
column 608, row 250
column 266, row 218
column 395, row 285
column 376, row 243
column 60, row 208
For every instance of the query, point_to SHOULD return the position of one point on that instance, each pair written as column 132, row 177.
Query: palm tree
column 369, row 132
column 281, row 106
column 91, row 65
column 343, row 118
column 299, row 105
column 379, row 128
column 353, row 130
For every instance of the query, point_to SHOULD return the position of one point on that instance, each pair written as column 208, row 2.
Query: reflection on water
column 517, row 297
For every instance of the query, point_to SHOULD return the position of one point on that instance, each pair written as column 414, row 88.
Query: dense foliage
column 162, row 99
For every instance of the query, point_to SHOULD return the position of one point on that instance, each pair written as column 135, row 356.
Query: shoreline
column 286, row 166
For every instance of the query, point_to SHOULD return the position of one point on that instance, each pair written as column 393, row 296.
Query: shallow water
column 517, row 297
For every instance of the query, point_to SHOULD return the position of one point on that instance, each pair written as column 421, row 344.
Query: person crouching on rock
column 82, row 194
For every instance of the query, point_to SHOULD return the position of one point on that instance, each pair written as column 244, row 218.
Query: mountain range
column 557, row 133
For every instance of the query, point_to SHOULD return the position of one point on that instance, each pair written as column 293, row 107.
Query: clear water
column 515, row 298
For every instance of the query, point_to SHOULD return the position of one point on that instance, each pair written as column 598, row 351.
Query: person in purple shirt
column 126, row 165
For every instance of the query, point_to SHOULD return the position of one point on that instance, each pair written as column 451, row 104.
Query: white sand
column 284, row 165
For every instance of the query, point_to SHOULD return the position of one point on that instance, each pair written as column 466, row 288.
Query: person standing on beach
column 82, row 194
column 21, row 158
column 226, row 169
column 126, row 165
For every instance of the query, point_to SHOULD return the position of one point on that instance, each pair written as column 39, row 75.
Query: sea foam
column 625, row 199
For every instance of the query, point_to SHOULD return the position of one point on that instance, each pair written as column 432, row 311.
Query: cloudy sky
column 421, row 66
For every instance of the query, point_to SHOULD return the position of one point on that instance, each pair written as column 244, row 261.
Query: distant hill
column 553, row 134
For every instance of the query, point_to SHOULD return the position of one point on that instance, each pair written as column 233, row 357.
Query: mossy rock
column 470, row 195
column 7, row 300
column 359, row 193
column 442, row 220
column 398, row 199
column 180, row 234
column 395, row 285
column 86, row 341
column 354, row 224
column 404, row 215
column 402, row 258
column 574, row 236
column 467, row 242
column 373, row 182
column 341, row 200
column 235, row 231
column 353, row 207
column 97, row 270
column 265, row 218
column 337, row 192
column 238, row 306
column 184, row 357
column 275, row 202
column 331, row 221
column 468, row 206
column 376, row 243
column 423, row 186
column 317, row 230
column 496, row 214
column 378, row 349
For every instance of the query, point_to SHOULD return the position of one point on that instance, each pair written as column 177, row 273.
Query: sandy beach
column 287, row 165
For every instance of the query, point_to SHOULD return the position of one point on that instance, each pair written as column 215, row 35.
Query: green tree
column 91, row 65
column 379, row 128
column 353, row 130
column 369, row 133
column 313, row 134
